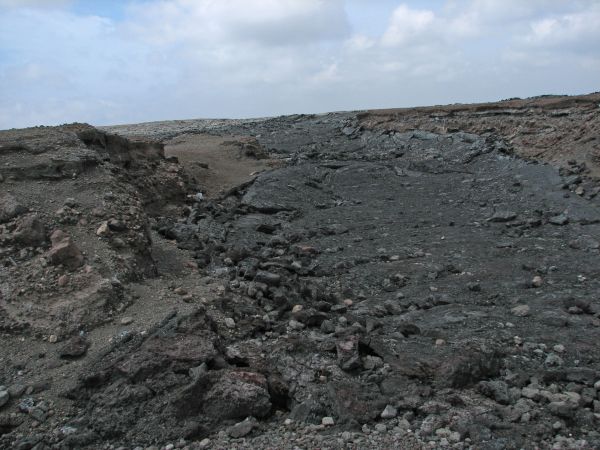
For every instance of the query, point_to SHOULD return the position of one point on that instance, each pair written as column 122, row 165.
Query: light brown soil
column 216, row 161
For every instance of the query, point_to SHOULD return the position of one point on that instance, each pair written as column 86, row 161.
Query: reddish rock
column 64, row 251
column 238, row 394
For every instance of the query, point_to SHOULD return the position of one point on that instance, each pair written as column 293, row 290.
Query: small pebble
column 389, row 412
column 559, row 348
column 204, row 443
column 4, row 397
column 63, row 280
column 327, row 421
column 520, row 311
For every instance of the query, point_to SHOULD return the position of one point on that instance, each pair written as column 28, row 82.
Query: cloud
column 579, row 31
column 408, row 25
column 562, row 40
column 65, row 65
column 238, row 58
column 422, row 27
column 238, row 44
column 34, row 3
column 262, row 22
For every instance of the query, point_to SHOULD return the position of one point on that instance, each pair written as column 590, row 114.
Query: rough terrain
column 423, row 278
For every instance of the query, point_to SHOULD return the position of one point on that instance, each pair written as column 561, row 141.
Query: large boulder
column 469, row 367
column 227, row 394
column 74, row 347
column 64, row 251
column 355, row 402
column 30, row 231
column 10, row 208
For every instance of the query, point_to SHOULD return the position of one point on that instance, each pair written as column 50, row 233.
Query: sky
column 118, row 61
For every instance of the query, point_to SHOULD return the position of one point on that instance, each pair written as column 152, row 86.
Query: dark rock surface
column 382, row 289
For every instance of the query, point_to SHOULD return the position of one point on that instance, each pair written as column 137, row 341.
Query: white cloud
column 577, row 30
column 329, row 74
column 498, row 13
column 408, row 25
column 264, row 22
column 54, row 57
column 235, row 58
column 33, row 3
column 422, row 27
column 359, row 42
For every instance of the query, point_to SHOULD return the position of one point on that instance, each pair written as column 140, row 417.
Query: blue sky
column 108, row 62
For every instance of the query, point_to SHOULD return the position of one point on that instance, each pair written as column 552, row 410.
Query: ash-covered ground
column 423, row 278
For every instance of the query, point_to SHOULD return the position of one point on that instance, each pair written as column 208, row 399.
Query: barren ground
column 417, row 278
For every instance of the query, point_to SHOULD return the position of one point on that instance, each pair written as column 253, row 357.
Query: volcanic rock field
column 396, row 279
